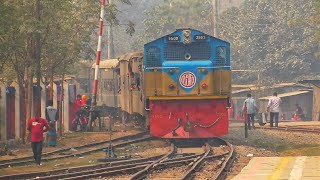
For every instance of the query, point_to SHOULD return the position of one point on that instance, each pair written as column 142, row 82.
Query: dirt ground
column 68, row 140
column 268, row 143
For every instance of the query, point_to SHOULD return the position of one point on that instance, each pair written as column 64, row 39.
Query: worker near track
column 77, row 105
column 274, row 109
column 251, row 109
column 37, row 126
column 52, row 117
column 299, row 115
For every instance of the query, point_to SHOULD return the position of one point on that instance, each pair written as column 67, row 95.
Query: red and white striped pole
column 96, row 72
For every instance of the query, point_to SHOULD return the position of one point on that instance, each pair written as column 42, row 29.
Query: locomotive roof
column 181, row 29
column 107, row 64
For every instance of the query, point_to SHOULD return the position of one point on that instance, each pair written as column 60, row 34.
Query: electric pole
column 110, row 54
column 38, row 61
column 215, row 13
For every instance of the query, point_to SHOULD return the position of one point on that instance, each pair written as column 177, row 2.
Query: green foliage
column 274, row 37
column 177, row 14
column 65, row 29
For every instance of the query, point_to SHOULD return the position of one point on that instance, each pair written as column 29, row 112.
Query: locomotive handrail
column 162, row 68
column 215, row 122
column 214, row 67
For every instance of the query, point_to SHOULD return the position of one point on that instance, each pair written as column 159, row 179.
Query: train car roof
column 107, row 64
column 131, row 56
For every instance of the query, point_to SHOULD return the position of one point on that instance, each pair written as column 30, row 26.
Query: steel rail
column 29, row 160
column 226, row 165
column 293, row 129
column 74, row 170
column 74, row 147
column 199, row 161
column 141, row 174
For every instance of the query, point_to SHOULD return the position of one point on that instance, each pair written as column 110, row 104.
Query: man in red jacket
column 37, row 126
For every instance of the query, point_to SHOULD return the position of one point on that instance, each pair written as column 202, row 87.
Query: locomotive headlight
column 187, row 56
column 204, row 71
column 171, row 71
column 204, row 86
column 186, row 36
column 186, row 33
column 171, row 86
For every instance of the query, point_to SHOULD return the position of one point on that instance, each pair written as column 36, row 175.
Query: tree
column 274, row 37
column 177, row 14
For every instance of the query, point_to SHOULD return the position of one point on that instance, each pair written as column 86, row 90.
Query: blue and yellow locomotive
column 187, row 84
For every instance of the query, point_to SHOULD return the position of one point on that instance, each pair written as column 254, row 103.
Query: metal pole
column 245, row 114
column 95, row 83
column 215, row 10
column 109, row 37
column 38, row 61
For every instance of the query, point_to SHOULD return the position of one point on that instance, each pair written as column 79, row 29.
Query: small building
column 316, row 98
column 289, row 101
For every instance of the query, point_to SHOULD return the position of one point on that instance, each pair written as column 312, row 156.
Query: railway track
column 294, row 129
column 187, row 167
column 80, row 151
column 141, row 168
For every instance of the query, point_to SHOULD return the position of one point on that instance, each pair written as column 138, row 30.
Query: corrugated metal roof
column 107, row 64
column 129, row 56
column 283, row 85
column 294, row 93
column 243, row 86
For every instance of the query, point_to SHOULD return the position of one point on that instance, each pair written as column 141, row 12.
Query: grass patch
column 307, row 150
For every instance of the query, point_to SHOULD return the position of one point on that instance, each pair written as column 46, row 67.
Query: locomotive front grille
column 178, row 52
column 153, row 57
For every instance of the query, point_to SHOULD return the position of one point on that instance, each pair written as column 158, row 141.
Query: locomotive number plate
column 187, row 79
column 173, row 38
column 200, row 38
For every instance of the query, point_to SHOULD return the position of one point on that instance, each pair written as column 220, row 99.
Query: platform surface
column 284, row 168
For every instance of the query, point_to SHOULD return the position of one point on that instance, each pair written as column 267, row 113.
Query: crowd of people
column 250, row 110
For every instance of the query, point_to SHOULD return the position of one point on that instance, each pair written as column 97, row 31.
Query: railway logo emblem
column 187, row 79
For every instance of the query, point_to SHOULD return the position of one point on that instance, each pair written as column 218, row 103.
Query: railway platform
column 274, row 168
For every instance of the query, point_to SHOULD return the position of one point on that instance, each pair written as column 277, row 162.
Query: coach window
column 137, row 81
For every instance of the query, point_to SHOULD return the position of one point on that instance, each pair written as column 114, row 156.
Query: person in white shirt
column 274, row 109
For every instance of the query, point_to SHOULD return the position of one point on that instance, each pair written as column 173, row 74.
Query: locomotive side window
column 221, row 56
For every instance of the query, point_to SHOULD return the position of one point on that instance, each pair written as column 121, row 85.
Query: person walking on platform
column 37, row 126
column 274, row 109
column 251, row 108
column 52, row 117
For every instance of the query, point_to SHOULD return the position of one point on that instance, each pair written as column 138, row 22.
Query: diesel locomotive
column 180, row 85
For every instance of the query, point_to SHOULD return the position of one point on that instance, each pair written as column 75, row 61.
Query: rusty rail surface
column 227, row 164
column 29, row 160
column 189, row 174
column 141, row 174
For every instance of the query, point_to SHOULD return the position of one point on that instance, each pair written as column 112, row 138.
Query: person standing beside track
column 274, row 109
column 251, row 108
column 52, row 117
column 37, row 126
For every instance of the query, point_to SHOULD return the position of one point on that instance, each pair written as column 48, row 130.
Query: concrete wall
column 316, row 104
column 3, row 118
